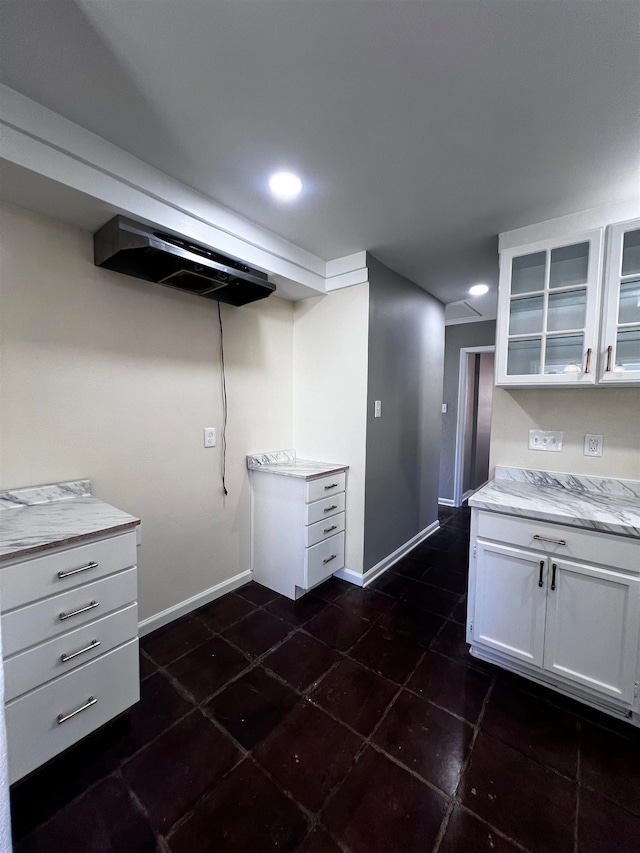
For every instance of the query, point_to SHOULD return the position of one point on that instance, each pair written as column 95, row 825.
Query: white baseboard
column 199, row 600
column 380, row 568
column 446, row 502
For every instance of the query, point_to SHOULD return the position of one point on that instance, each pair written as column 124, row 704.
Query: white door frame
column 465, row 352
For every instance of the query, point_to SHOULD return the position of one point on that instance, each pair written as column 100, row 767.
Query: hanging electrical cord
column 224, row 406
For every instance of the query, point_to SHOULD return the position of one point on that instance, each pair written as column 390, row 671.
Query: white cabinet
column 69, row 635
column 297, row 530
column 572, row 622
column 565, row 321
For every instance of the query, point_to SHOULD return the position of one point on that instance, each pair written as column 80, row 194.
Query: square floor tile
column 256, row 593
column 147, row 667
column 610, row 764
column 223, row 612
column 250, row 707
column 331, row 589
column 451, row 642
column 410, row 567
column 308, row 753
column 318, row 841
column 459, row 612
column 445, row 577
column 381, row 808
column 301, row 660
column 604, row 827
column 103, row 820
column 392, row 655
column 337, row 629
column 171, row 642
column 525, row 800
column 246, row 812
column 207, row 668
column 393, row 585
column 256, row 633
column 427, row 740
column 450, row 684
column 297, row 612
column 434, row 600
column 170, row 775
column 355, row 695
column 412, row 622
column 466, row 833
column 364, row 602
column 534, row 727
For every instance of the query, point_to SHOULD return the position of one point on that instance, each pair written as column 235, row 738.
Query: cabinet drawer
column 323, row 559
column 37, row 622
column 324, row 529
column 325, row 508
column 33, row 732
column 324, row 486
column 31, row 580
column 591, row 546
column 28, row 670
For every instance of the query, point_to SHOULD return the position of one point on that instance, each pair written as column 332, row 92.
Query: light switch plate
column 377, row 409
column 546, row 439
column 209, row 436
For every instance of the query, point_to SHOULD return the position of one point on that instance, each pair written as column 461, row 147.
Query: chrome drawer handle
column 332, row 486
column 329, row 508
column 62, row 718
column 92, row 645
column 332, row 557
column 554, row 541
column 329, row 529
column 90, row 565
column 93, row 604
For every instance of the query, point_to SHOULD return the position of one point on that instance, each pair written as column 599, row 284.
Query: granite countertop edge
column 286, row 464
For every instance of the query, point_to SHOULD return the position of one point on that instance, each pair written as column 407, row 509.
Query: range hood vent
column 149, row 253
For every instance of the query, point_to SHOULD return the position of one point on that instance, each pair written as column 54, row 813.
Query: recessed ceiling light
column 285, row 185
column 478, row 289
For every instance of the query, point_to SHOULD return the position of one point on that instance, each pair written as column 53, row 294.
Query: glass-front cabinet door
column 620, row 340
column 548, row 312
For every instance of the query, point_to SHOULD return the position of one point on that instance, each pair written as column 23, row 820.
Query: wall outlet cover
column 593, row 445
column 209, row 436
column 546, row 439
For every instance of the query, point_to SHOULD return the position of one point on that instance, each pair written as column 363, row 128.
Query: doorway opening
column 473, row 428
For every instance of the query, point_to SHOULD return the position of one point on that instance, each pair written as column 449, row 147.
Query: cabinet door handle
column 332, row 557
column 544, row 539
column 332, row 486
column 92, row 645
column 62, row 718
column 541, row 570
column 329, row 529
column 609, row 354
column 86, row 568
column 329, row 508
column 553, row 576
column 587, row 367
column 90, row 606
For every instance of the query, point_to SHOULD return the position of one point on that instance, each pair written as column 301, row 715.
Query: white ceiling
column 420, row 129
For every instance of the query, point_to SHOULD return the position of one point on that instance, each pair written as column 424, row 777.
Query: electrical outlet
column 546, row 439
column 445, row 408
column 593, row 445
column 209, row 436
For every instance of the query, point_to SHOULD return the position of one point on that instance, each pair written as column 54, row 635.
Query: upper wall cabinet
column 620, row 338
column 561, row 321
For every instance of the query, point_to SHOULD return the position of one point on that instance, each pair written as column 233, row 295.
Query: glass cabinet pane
column 566, row 310
column 525, row 316
column 569, row 265
column 631, row 253
column 628, row 350
column 527, row 273
column 563, row 354
column 523, row 357
column 629, row 304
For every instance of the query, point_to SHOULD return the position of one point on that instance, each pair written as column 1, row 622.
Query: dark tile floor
column 352, row 720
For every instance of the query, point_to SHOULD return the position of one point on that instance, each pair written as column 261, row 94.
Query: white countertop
column 36, row 519
column 594, row 503
column 285, row 463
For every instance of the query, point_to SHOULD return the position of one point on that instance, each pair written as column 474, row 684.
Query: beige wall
column 330, row 394
column 611, row 412
column 107, row 377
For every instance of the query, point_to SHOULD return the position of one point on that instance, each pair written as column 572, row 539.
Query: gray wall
column 456, row 337
column 406, row 352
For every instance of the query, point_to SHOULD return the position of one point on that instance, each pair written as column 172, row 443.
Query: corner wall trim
column 380, row 568
column 446, row 502
column 184, row 607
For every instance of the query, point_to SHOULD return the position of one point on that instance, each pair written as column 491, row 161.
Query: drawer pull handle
column 332, row 557
column 329, row 529
column 329, row 508
column 92, row 645
column 62, row 718
column 587, row 367
column 609, row 353
column 332, row 486
column 541, row 570
column 554, row 541
column 90, row 565
column 553, row 576
column 90, row 606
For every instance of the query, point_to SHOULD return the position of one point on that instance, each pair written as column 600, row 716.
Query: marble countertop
column 594, row 503
column 285, row 463
column 42, row 517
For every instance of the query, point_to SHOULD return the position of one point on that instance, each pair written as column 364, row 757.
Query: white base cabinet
column 571, row 622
